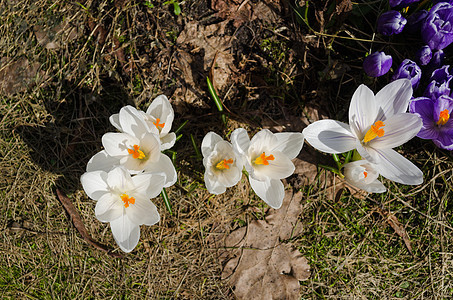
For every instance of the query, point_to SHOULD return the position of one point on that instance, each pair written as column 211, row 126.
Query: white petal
column 109, row 207
column 165, row 165
column 398, row 130
column 365, row 154
column 149, row 185
column 132, row 122
column 279, row 168
column 150, row 145
column 396, row 167
column 101, row 161
column 208, row 143
column 394, row 98
column 363, row 108
column 119, row 179
column 229, row 177
column 213, row 185
column 240, row 141
column 289, row 143
column 126, row 233
column 161, row 108
column 116, row 144
column 262, row 141
column 95, row 184
column 373, row 187
column 153, row 217
column 115, row 121
column 168, row 141
column 143, row 211
column 270, row 191
column 330, row 136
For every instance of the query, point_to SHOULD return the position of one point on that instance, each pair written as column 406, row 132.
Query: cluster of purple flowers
column 435, row 108
column 435, row 28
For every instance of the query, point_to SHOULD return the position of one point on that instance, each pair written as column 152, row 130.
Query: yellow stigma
column 374, row 131
column 127, row 200
column 444, row 116
column 136, row 152
column 263, row 159
column 223, row 164
column 161, row 125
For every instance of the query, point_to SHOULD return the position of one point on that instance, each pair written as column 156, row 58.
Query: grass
column 52, row 123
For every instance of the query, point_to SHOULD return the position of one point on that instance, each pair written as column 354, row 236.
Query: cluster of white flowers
column 131, row 170
column 267, row 159
column 377, row 123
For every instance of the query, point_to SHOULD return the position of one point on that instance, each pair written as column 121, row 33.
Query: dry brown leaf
column 397, row 226
column 238, row 11
column 17, row 76
column 54, row 37
column 258, row 265
column 211, row 41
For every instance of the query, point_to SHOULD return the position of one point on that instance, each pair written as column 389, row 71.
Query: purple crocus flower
column 415, row 21
column 401, row 3
column 424, row 55
column 439, row 83
column 437, row 124
column 437, row 29
column 377, row 64
column 437, row 1
column 437, row 60
column 410, row 70
column 391, row 22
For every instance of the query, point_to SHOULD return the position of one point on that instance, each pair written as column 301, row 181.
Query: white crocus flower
column 136, row 148
column 124, row 201
column 268, row 160
column 223, row 166
column 362, row 174
column 159, row 118
column 377, row 123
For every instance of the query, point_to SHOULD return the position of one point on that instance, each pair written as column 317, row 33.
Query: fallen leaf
column 397, row 226
column 17, row 76
column 78, row 224
column 238, row 11
column 211, row 41
column 53, row 37
column 258, row 263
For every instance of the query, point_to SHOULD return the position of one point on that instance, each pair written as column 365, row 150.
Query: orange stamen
column 223, row 164
column 444, row 116
column 127, row 200
column 263, row 159
column 365, row 174
column 136, row 152
column 157, row 124
column 374, row 131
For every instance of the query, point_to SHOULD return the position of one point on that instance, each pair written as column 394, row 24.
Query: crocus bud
column 424, row 55
column 410, row 70
column 391, row 22
column 439, row 83
column 437, row 29
column 437, row 60
column 415, row 21
column 377, row 64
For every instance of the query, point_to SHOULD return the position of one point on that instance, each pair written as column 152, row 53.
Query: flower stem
column 166, row 201
column 216, row 99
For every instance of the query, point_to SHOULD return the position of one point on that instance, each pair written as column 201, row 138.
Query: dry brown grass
column 52, row 118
